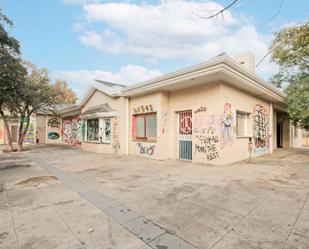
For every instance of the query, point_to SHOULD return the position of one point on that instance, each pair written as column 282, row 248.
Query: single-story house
column 216, row 112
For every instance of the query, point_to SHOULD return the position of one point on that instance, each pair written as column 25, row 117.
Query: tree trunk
column 21, row 133
column 9, row 138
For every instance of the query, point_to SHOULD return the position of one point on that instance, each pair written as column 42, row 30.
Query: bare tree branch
column 221, row 11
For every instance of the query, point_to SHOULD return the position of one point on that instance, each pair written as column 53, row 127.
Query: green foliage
column 298, row 100
column 290, row 49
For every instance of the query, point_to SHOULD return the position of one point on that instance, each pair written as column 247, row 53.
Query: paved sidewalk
column 60, row 197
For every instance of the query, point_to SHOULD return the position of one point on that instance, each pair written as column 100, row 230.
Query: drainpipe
column 271, row 127
column 127, row 126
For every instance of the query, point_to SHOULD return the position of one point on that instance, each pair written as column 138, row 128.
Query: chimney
column 247, row 60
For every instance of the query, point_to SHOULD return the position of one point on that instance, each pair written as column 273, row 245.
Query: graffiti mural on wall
column 116, row 143
column 54, row 122
column 226, row 126
column 146, row 150
column 30, row 134
column 53, row 126
column 260, row 129
column 72, row 130
column 1, row 131
column 143, row 109
column 206, row 138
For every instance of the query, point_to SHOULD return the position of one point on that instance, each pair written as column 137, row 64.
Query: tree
column 11, row 71
column 36, row 95
column 67, row 96
column 290, row 49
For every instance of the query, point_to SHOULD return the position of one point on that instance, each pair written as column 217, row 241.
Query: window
column 107, row 130
column 242, row 119
column 145, row 127
column 93, row 129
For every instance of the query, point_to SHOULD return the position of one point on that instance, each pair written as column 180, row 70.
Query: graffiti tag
column 54, row 122
column 200, row 109
column 143, row 109
column 146, row 150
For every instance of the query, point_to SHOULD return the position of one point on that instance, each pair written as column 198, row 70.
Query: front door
column 185, row 135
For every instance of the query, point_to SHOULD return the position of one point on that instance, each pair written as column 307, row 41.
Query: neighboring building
column 207, row 113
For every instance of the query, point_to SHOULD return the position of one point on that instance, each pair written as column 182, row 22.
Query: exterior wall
column 41, row 135
column 244, row 102
column 212, row 106
column 118, row 139
column 297, row 137
column 156, row 102
column 53, row 130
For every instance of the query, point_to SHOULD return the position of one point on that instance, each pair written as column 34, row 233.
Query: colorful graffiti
column 53, row 135
column 143, row 109
column 146, row 150
column 226, row 126
column 260, row 129
column 29, row 137
column 1, row 131
column 53, row 129
column 72, row 130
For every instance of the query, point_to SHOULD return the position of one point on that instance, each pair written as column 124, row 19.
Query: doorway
column 185, row 135
column 279, row 134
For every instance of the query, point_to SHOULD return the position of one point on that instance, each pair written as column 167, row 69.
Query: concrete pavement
column 172, row 204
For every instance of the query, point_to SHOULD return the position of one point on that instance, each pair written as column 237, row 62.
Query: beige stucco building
column 216, row 112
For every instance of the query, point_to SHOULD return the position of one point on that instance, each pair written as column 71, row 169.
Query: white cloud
column 170, row 30
column 80, row 79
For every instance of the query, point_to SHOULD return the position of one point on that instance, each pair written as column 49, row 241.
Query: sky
column 131, row 41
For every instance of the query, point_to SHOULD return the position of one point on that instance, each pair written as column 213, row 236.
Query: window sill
column 144, row 140
column 240, row 137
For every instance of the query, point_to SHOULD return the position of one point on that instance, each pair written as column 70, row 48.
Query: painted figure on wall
column 260, row 129
column 226, row 125
column 72, row 131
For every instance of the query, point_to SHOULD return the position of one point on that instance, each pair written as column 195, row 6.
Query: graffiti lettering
column 226, row 126
column 143, row 109
column 54, row 122
column 206, row 139
column 200, row 109
column 146, row 150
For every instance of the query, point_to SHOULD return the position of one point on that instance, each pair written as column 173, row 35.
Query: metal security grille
column 185, row 135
